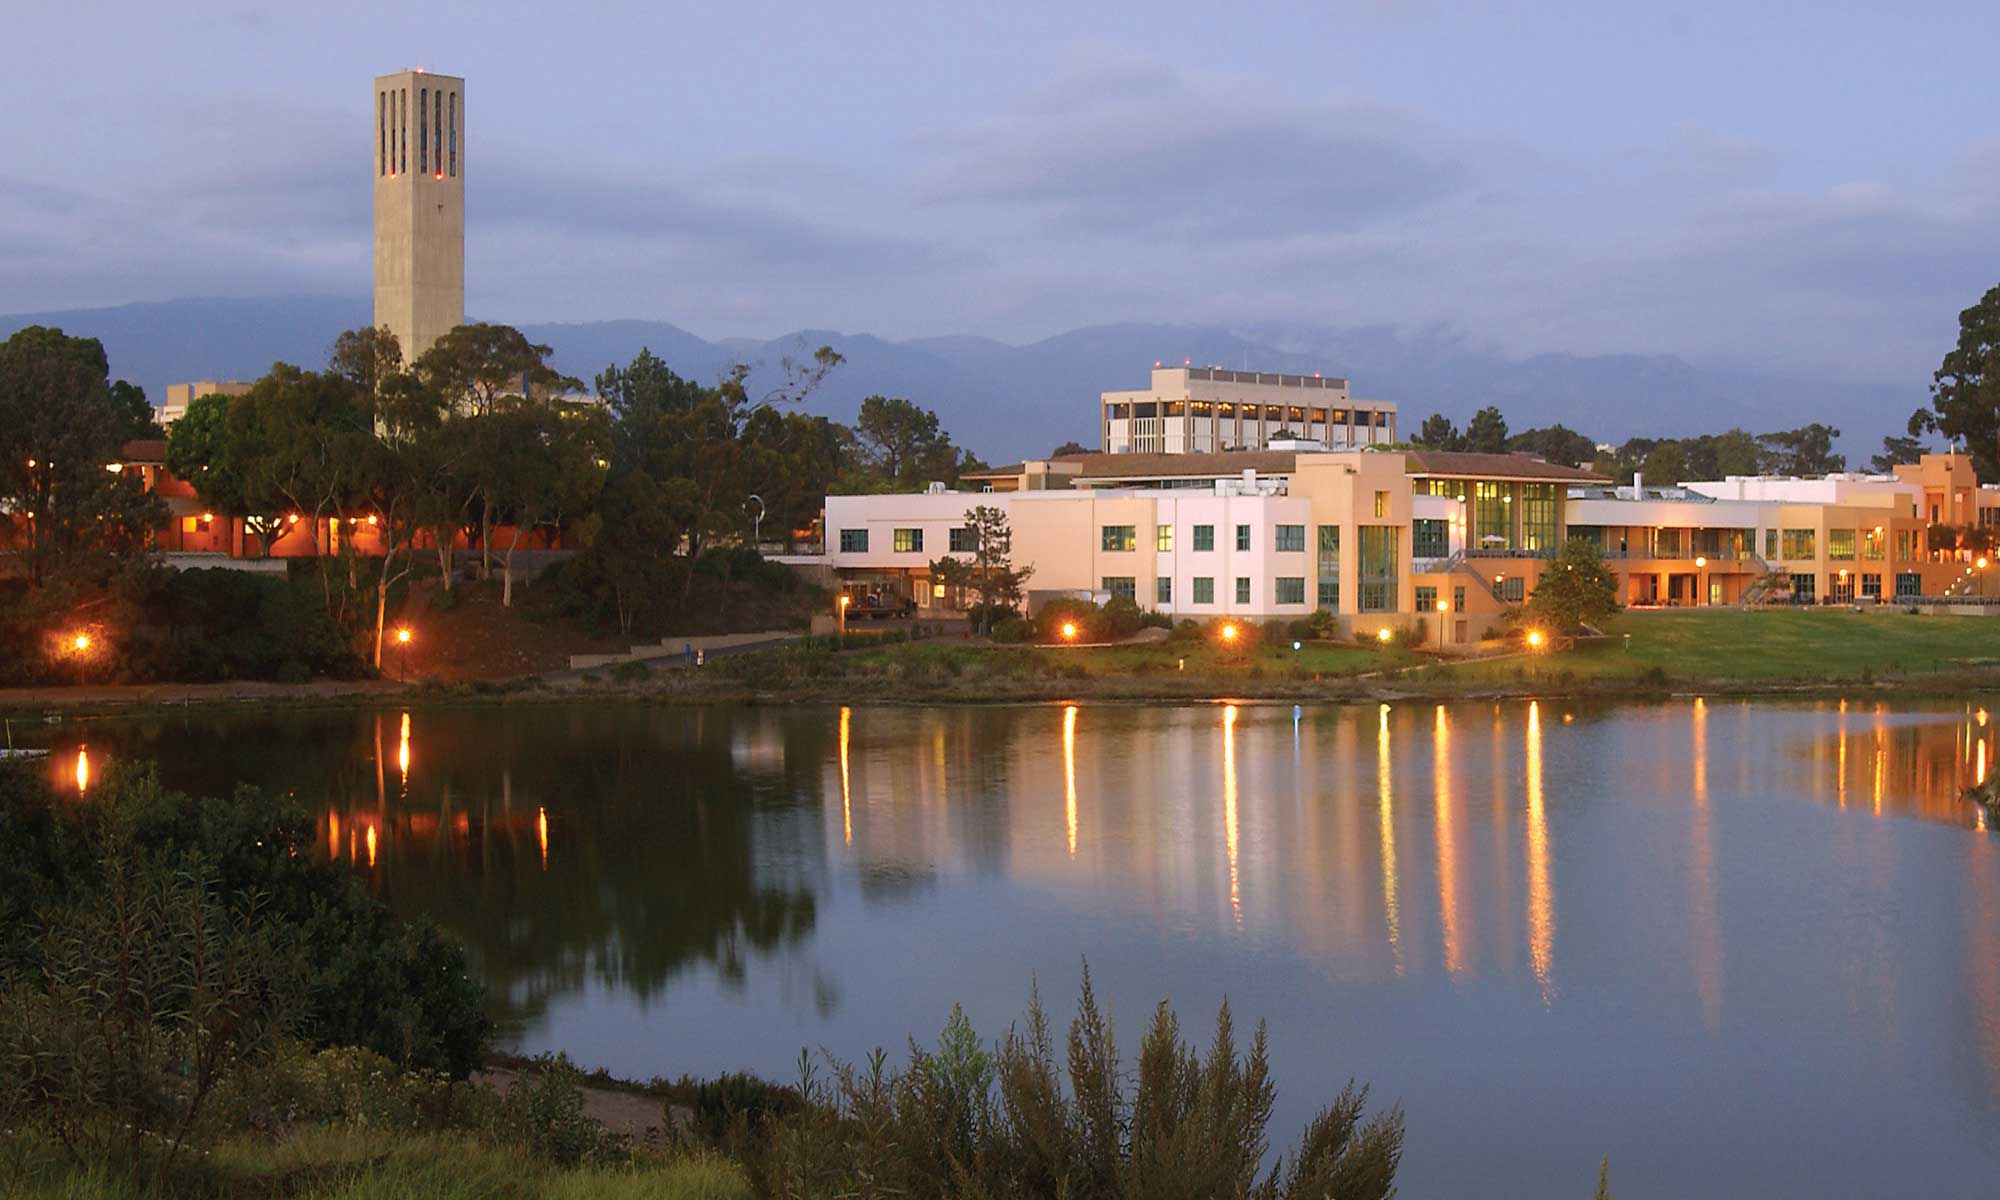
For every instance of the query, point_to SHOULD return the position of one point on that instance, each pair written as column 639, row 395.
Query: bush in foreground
column 961, row 1120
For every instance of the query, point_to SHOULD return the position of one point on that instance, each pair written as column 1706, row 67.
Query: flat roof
column 1472, row 465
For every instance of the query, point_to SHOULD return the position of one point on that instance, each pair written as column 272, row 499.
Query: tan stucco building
column 419, row 157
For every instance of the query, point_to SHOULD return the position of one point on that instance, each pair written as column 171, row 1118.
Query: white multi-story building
column 1195, row 410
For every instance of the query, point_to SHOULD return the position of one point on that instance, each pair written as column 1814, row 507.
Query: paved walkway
column 193, row 693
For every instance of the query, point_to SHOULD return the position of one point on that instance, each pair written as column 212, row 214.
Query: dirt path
column 640, row 1118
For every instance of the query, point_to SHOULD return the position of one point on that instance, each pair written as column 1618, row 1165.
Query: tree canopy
column 1965, row 390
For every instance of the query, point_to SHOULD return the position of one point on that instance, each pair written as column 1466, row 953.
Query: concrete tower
column 419, row 157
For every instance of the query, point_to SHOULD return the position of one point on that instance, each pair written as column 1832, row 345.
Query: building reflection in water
column 1385, row 820
column 1541, row 895
column 1705, row 920
column 1918, row 765
column 82, row 770
column 1447, row 844
column 1229, row 808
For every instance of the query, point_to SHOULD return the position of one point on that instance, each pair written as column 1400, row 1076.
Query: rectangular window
column 1378, row 567
column 854, row 541
column 1840, row 588
column 1871, row 544
column 1119, row 538
column 1430, row 538
column 1770, row 544
column 1514, row 589
column 1291, row 589
column 1871, row 586
column 1538, row 517
column 909, row 541
column 1163, row 538
column 1670, row 543
column 1242, row 537
column 1909, row 584
column 1458, row 599
column 1291, row 539
column 1798, row 544
column 963, row 541
column 1840, row 544
column 1328, row 562
column 1427, row 599
column 1906, row 550
column 454, row 135
column 1204, row 589
column 1122, row 587
column 1163, row 590
column 1242, row 590
column 1805, row 588
column 1493, row 516
column 1381, row 505
column 1204, row 537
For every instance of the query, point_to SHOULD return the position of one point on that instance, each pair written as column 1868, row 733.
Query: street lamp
column 1385, row 635
column 845, row 600
column 1229, row 633
column 1536, row 639
column 80, row 643
column 1069, row 631
column 403, row 636
column 757, row 523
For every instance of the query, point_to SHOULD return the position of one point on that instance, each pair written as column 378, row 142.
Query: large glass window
column 1493, row 515
column 1670, row 543
column 1204, row 537
column 1122, row 587
column 1242, row 589
column 1121, row 537
column 1514, row 589
column 1291, row 539
column 1798, row 544
column 1805, row 588
column 909, row 541
column 1840, row 544
column 1328, row 537
column 1427, row 599
column 1906, row 548
column 1871, row 586
column 1163, row 538
column 963, row 541
column 1242, row 537
column 1770, row 544
column 1163, row 590
column 1430, row 537
column 1909, row 584
column 1204, row 589
column 1538, row 517
column 854, row 541
column 1291, row 589
column 1871, row 544
column 1378, row 568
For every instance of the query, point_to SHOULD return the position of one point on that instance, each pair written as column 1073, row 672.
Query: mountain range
column 1006, row 401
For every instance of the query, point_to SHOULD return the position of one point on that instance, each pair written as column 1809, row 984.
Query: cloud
column 1134, row 149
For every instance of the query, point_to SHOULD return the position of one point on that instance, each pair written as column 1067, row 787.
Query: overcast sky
column 1811, row 184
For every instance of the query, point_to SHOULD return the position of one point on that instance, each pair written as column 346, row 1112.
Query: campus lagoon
column 1740, row 947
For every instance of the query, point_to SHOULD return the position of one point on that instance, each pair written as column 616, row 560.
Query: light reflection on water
column 1715, row 940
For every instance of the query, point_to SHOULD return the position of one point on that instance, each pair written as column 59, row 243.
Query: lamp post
column 1444, row 610
column 1700, row 597
column 845, row 600
column 403, row 636
column 757, row 522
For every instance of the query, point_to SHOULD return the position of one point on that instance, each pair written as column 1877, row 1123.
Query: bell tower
column 419, row 158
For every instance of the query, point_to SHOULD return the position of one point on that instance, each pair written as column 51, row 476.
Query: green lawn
column 1272, row 658
column 1732, row 644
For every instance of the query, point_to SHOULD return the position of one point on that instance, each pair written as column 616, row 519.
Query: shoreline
column 32, row 707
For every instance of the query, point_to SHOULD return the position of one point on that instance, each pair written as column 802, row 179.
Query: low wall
column 679, row 647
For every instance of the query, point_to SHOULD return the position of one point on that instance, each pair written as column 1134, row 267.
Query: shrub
column 1246, row 634
column 1186, row 630
column 543, row 1111
column 1412, row 636
column 1153, row 618
column 1322, row 624
column 1014, row 1120
column 1082, row 613
column 634, row 671
column 1120, row 618
column 1011, row 631
column 400, row 987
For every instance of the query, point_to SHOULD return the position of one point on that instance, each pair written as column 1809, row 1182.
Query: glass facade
column 1538, row 517
column 1378, row 568
column 1493, row 516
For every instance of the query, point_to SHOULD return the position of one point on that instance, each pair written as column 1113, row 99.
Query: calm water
column 1741, row 948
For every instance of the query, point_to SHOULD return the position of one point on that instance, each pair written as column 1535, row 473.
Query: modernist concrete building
column 418, row 152
column 1193, row 410
column 180, row 395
